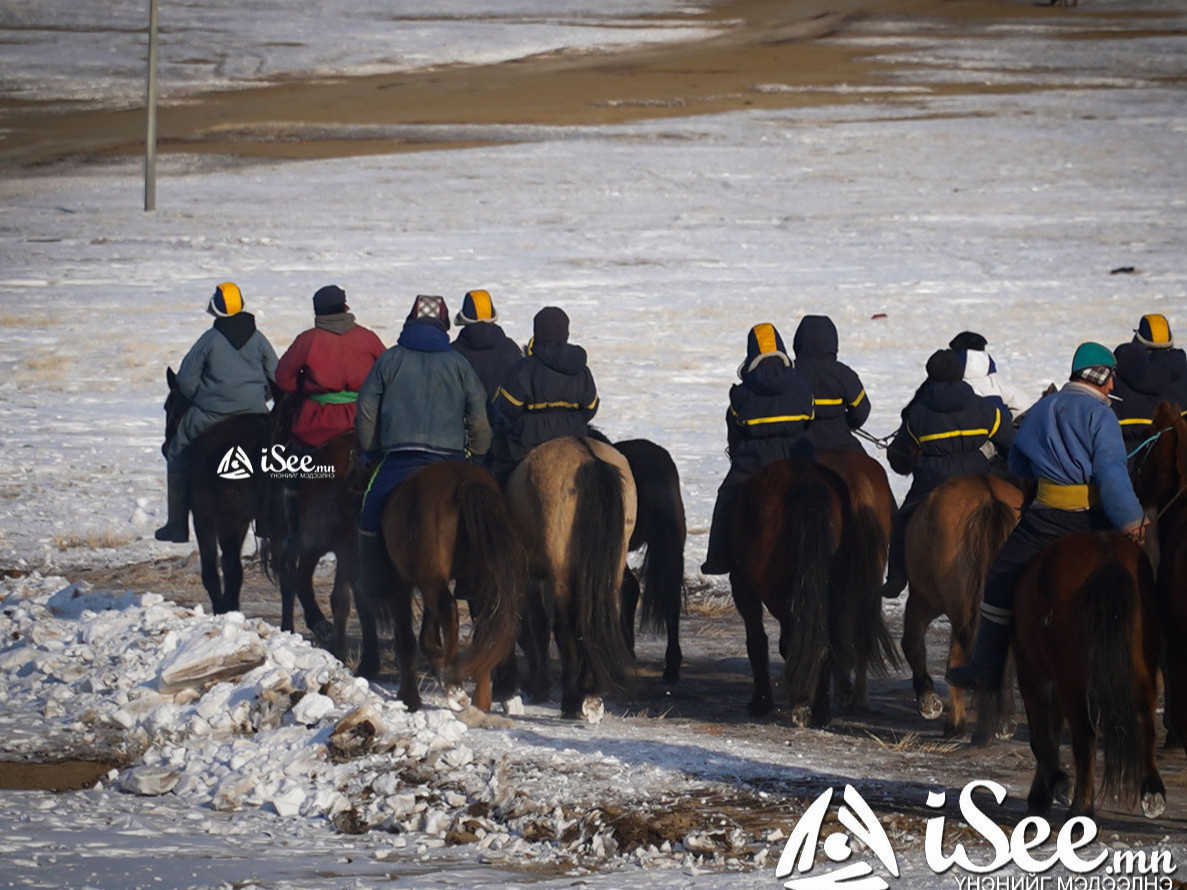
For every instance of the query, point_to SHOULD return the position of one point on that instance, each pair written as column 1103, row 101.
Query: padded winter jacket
column 1072, row 438
column 227, row 371
column 944, row 429
column 980, row 373
column 328, row 363
column 549, row 394
column 838, row 397
column 490, row 352
column 1145, row 378
column 769, row 415
column 422, row 396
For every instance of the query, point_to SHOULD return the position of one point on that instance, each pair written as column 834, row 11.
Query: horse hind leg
column 1045, row 720
column 207, row 537
column 345, row 573
column 231, row 545
column 405, row 642
column 915, row 622
column 630, row 603
column 960, row 646
column 750, row 607
column 673, row 655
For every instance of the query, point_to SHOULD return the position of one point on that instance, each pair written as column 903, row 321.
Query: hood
column 816, row 337
column 947, row 396
column 769, row 378
column 336, row 323
column 977, row 364
column 1140, row 372
column 424, row 338
column 480, row 335
column 563, row 357
column 237, row 328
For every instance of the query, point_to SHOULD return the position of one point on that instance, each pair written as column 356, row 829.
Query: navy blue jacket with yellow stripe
column 1144, row 379
column 943, row 431
column 549, row 394
column 838, row 396
column 769, row 415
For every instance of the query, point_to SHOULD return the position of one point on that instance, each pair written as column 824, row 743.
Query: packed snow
column 906, row 221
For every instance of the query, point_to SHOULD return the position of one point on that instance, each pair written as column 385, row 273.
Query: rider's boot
column 987, row 665
column 177, row 529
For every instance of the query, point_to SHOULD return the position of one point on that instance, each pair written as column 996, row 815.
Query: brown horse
column 1086, row 644
column 872, row 506
column 573, row 500
column 446, row 521
column 798, row 548
column 1161, row 485
column 951, row 541
column 328, row 511
column 223, row 503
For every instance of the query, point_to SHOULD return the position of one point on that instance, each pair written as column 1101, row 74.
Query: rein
column 882, row 443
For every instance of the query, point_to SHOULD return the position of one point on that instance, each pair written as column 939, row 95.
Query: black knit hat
column 967, row 340
column 944, row 366
column 550, row 325
column 429, row 310
column 329, row 300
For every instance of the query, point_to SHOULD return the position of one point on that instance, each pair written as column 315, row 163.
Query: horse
column 797, row 547
column 448, row 520
column 660, row 528
column 951, row 541
column 573, row 500
column 328, row 511
column 223, row 502
column 1086, row 646
column 872, row 506
column 1161, row 485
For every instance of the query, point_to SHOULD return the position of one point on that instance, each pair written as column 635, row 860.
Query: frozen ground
column 664, row 241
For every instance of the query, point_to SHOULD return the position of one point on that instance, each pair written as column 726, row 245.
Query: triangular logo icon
column 235, row 464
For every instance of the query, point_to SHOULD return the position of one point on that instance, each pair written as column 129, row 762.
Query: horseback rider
column 768, row 419
column 548, row 394
column 838, row 396
column 226, row 372
column 1071, row 443
column 326, row 364
column 421, row 402
column 980, row 373
column 1150, row 370
column 944, row 432
column 488, row 350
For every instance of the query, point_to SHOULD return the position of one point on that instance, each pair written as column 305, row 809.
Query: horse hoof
column 801, row 716
column 1153, row 803
column 1063, row 791
column 456, row 698
column 367, row 670
column 324, row 635
column 593, row 710
column 513, row 707
column 1006, row 731
column 931, row 706
column 671, row 676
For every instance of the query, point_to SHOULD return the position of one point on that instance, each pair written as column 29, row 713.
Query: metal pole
column 150, row 141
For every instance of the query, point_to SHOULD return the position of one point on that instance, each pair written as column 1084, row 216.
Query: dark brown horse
column 223, row 507
column 1086, row 644
column 951, row 540
column 661, row 529
column 1161, row 485
column 573, row 500
column 798, row 549
column 328, row 511
column 872, row 507
column 446, row 521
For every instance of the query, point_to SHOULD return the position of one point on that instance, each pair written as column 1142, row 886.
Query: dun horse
column 798, row 548
column 574, row 502
column 447, row 521
column 1161, row 484
column 328, row 510
column 951, row 541
column 222, row 507
column 1086, row 645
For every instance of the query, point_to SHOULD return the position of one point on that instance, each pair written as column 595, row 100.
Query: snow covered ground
column 1003, row 212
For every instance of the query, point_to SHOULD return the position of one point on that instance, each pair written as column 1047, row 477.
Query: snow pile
column 232, row 714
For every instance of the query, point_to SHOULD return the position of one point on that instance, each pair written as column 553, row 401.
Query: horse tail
column 808, row 547
column 985, row 531
column 596, row 557
column 868, row 543
column 487, row 543
column 1110, row 601
column 664, row 590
